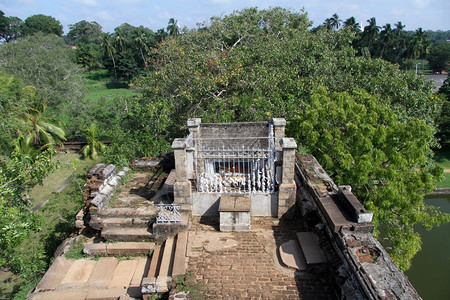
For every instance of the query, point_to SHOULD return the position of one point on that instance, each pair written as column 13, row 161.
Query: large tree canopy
column 258, row 64
column 41, row 23
column 361, row 142
column 45, row 62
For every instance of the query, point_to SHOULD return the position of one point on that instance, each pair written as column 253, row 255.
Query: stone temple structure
column 235, row 167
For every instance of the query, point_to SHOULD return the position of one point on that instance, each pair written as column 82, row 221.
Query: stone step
column 291, row 255
column 78, row 274
column 103, row 272
column 75, row 294
column 123, row 274
column 309, row 245
column 106, row 294
column 120, row 248
column 127, row 234
column 140, row 212
column 54, row 274
column 126, row 222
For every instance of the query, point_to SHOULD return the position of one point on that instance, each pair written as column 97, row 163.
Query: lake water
column 430, row 270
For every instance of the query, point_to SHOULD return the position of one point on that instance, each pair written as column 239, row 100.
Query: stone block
column 79, row 224
column 148, row 285
column 139, row 273
column 80, row 215
column 234, row 213
column 103, row 272
column 106, row 294
column 54, row 274
column 79, row 272
column 95, row 249
column 179, row 260
column 129, row 248
column 290, row 254
column 123, row 274
column 58, row 295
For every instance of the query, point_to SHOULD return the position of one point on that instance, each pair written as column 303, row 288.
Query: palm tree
column 352, row 24
column 109, row 51
column 401, row 40
column 386, row 37
column 371, row 31
column 172, row 27
column 46, row 131
column 94, row 146
column 327, row 24
column 119, row 42
column 25, row 145
column 335, row 21
column 141, row 43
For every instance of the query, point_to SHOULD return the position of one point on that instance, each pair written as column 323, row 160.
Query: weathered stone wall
column 361, row 268
column 102, row 181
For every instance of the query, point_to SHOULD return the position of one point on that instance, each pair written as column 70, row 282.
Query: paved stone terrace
column 245, row 265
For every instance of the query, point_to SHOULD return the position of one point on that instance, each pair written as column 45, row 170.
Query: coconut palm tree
column 109, row 51
column 172, row 27
column 94, row 146
column 142, row 44
column 370, row 33
column 386, row 36
column 46, row 131
column 352, row 24
column 335, row 21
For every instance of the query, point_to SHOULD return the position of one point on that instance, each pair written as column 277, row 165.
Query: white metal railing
column 168, row 214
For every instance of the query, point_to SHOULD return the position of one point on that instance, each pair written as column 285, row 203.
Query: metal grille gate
column 235, row 169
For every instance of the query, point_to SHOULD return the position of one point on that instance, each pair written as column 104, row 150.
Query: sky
column 155, row 14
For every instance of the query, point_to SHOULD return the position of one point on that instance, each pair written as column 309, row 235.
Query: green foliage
column 14, row 98
column 45, row 62
column 439, row 56
column 16, row 220
column 41, row 23
column 45, row 131
column 361, row 142
column 76, row 252
column 94, row 146
column 443, row 121
column 9, row 28
column 84, row 33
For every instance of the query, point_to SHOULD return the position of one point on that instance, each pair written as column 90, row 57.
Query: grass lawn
column 67, row 162
column 99, row 87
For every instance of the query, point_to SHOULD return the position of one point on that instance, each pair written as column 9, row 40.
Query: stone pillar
column 194, row 129
column 182, row 185
column 287, row 189
column 278, row 125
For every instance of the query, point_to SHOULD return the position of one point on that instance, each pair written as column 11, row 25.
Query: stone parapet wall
column 361, row 268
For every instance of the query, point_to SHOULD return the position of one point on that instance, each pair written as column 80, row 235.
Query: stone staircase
column 125, row 224
column 111, row 278
column 304, row 254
